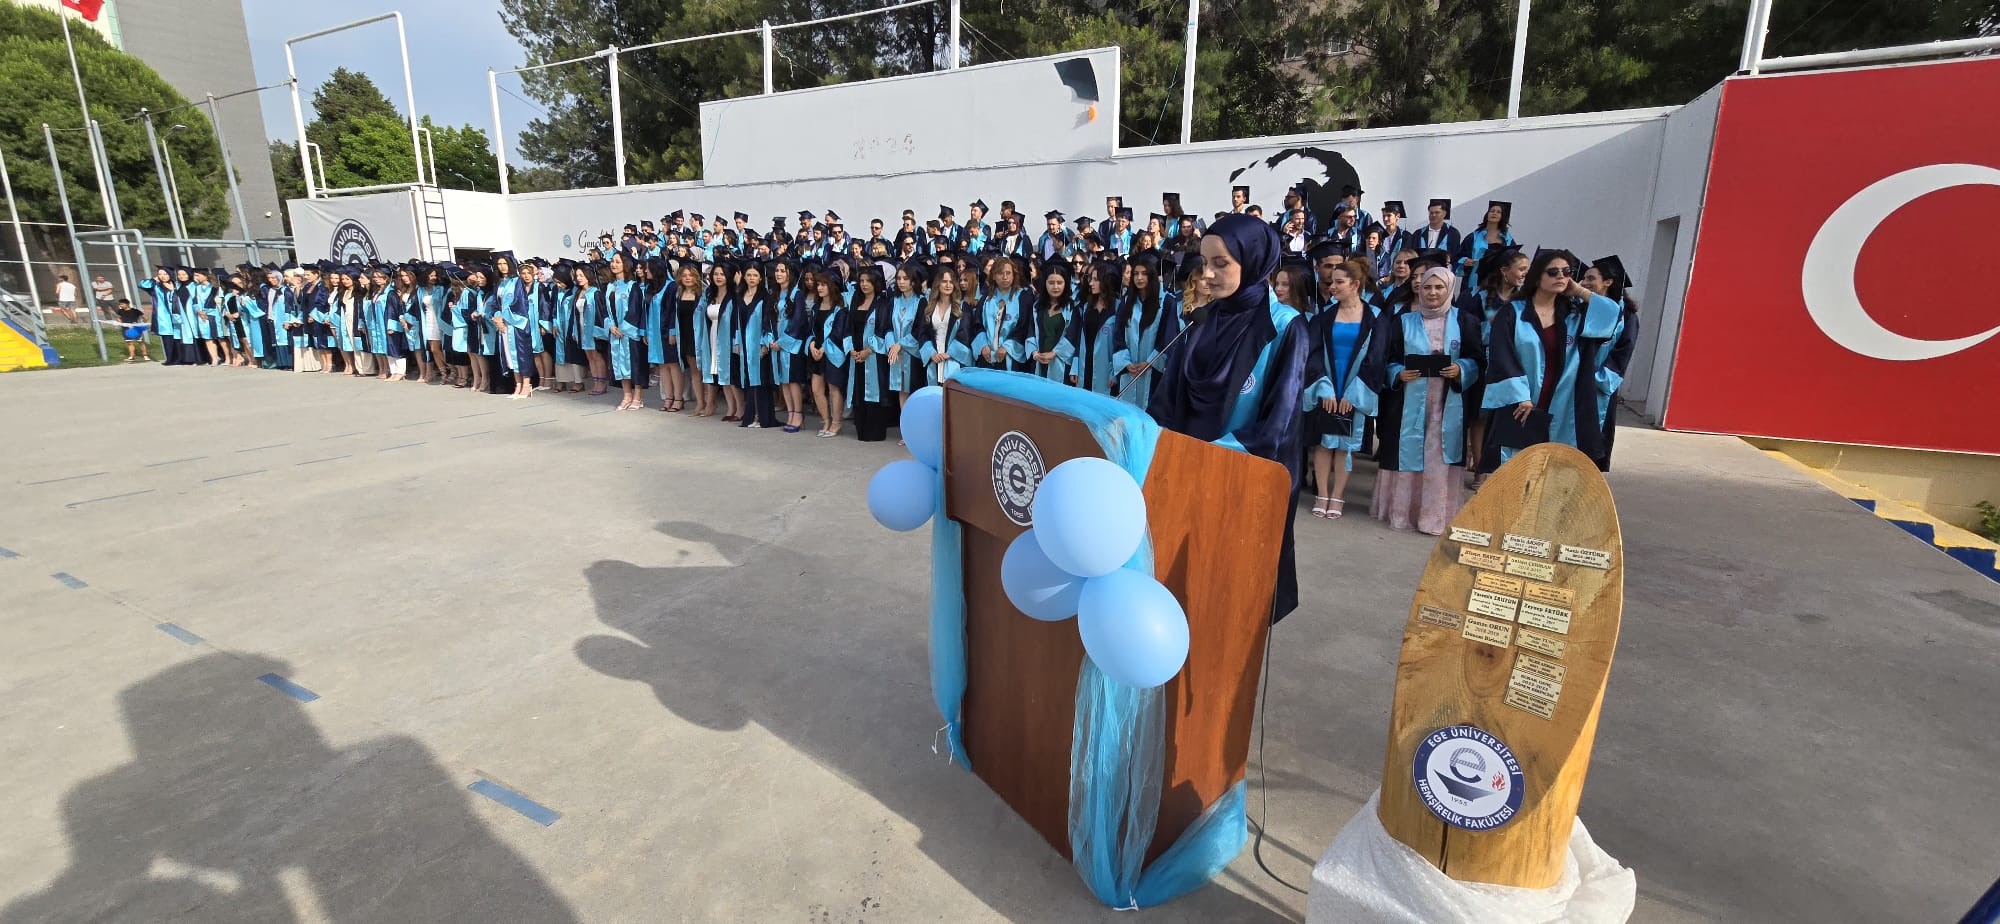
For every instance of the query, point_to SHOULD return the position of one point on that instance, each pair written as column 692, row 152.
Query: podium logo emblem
column 1468, row 778
column 1017, row 471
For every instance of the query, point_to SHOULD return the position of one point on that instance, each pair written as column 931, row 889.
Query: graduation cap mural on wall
column 1318, row 174
column 1080, row 76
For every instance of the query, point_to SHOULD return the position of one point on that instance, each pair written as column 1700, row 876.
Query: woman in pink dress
column 1419, row 363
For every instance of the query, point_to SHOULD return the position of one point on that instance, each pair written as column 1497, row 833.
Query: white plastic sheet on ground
column 1368, row 876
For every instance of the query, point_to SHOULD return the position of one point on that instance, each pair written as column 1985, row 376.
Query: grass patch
column 77, row 345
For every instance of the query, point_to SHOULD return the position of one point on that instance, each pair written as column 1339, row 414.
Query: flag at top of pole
column 88, row 9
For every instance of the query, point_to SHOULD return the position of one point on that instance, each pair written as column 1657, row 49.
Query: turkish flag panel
column 89, row 8
column 1906, row 352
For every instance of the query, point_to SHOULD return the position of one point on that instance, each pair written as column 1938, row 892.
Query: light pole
column 174, row 187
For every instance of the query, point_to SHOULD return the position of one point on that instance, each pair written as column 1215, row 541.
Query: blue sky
column 452, row 43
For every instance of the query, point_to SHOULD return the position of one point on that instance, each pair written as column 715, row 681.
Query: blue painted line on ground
column 530, row 809
column 338, row 436
column 327, row 459
column 409, row 425
column 256, row 448
column 474, row 414
column 237, row 475
column 63, row 478
column 538, row 423
column 75, row 504
column 8, row 553
column 179, row 633
column 402, row 446
column 175, row 461
column 595, row 413
column 289, row 688
column 69, row 580
column 464, row 435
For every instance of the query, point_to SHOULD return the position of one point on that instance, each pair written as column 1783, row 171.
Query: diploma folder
column 1430, row 364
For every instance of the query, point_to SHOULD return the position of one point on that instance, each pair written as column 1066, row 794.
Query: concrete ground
column 691, row 642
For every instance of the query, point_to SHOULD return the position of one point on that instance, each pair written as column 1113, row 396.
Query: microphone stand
column 1147, row 366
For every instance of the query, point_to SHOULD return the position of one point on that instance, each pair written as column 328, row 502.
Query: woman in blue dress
column 1338, row 401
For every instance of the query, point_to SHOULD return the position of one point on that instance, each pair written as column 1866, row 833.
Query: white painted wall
column 1576, row 181
column 942, row 120
column 478, row 220
column 387, row 220
column 1681, row 186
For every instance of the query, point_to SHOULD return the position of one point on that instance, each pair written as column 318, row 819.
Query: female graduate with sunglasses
column 1554, row 362
column 1238, row 376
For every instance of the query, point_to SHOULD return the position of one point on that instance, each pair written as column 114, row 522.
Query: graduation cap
column 1125, row 212
column 1349, row 189
column 1395, row 207
column 1496, row 258
column 677, row 215
column 646, row 225
column 742, row 216
column 1613, row 269
column 1506, row 209
column 831, row 217
column 980, row 204
column 1443, row 204
column 1329, row 247
column 1080, row 77
column 1245, row 190
column 1084, row 222
column 1430, row 256
column 1294, row 260
column 778, row 223
column 1170, row 198
column 1055, row 214
column 1162, row 219
column 944, row 211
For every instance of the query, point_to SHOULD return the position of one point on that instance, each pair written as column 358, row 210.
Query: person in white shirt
column 66, row 297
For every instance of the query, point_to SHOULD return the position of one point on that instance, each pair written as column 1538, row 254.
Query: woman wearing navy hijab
column 1237, row 379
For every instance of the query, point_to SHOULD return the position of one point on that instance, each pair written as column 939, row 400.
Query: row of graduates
column 1446, row 380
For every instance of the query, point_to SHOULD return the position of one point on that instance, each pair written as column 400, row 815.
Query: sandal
column 1319, row 506
column 1337, row 505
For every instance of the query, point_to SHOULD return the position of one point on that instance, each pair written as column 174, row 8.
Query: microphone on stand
column 1117, row 389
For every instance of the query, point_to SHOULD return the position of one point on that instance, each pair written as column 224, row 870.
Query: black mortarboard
column 831, row 217
column 1330, row 247
column 1162, row 219
column 677, row 215
column 1444, row 204
column 1396, row 206
column 742, row 216
column 646, row 225
column 1080, row 76
column 1349, row 189
column 1495, row 258
column 944, row 211
column 1375, row 227
column 1125, row 213
column 1506, row 209
column 1245, row 190
column 1083, row 221
column 1613, row 269
column 1430, row 256
column 697, row 217
column 778, row 223
column 805, row 215
column 1292, row 259
column 1053, row 213
column 1172, row 197
column 980, row 204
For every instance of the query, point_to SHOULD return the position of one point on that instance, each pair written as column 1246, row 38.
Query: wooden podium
column 1216, row 520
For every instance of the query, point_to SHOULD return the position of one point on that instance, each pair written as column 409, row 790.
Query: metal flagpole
column 499, row 137
column 229, row 170
column 69, row 222
column 166, row 188
column 953, row 59
column 765, row 27
column 1187, row 77
column 617, row 114
column 124, row 263
column 21, row 241
column 1520, row 60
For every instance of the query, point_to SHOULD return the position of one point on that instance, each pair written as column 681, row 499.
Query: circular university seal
column 1017, row 471
column 351, row 243
column 1468, row 778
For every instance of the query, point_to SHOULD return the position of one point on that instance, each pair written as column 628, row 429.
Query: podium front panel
column 1216, row 521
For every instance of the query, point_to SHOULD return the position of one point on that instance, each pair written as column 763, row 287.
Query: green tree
column 36, row 87
column 366, row 142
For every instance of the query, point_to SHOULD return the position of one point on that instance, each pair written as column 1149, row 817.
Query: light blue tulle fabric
column 1118, row 755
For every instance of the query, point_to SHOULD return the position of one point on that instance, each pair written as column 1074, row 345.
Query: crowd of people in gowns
column 1438, row 353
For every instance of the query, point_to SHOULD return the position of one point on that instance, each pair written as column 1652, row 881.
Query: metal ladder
column 436, row 232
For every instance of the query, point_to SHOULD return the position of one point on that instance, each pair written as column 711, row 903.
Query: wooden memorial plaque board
column 1471, row 678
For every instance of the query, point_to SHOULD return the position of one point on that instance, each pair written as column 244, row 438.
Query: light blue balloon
column 901, row 494
column 923, row 425
column 1034, row 584
column 1133, row 628
column 1090, row 516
